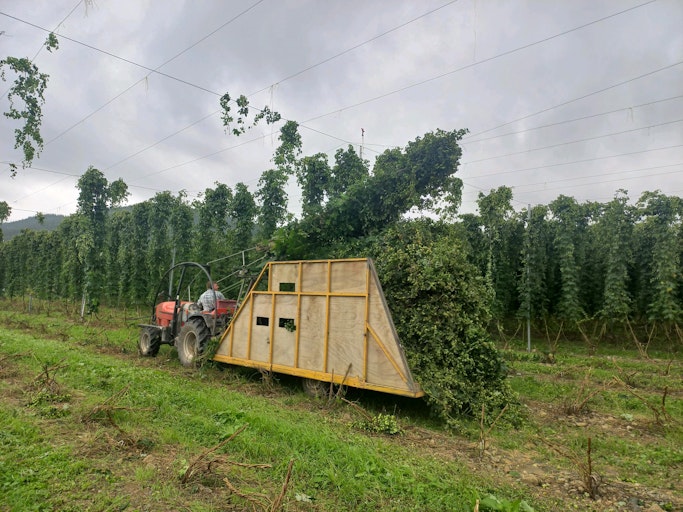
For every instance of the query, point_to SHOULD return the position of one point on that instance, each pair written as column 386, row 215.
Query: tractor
column 182, row 322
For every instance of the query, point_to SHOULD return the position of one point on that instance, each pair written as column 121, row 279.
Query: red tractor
column 183, row 322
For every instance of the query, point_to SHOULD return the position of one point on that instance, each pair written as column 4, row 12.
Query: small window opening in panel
column 287, row 323
column 287, row 287
column 262, row 320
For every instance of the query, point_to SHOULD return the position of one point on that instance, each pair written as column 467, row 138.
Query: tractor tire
column 149, row 342
column 191, row 341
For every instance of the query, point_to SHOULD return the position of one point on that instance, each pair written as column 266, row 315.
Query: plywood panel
column 346, row 336
column 314, row 277
column 348, row 276
column 381, row 371
column 311, row 330
column 260, row 334
column 284, row 341
column 240, row 336
column 283, row 273
column 379, row 319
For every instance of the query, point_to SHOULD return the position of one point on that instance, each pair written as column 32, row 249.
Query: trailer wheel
column 315, row 388
column 191, row 341
column 149, row 342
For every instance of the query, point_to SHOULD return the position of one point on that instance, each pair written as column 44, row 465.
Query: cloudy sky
column 574, row 97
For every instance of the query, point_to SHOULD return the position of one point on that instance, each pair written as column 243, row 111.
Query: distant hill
column 12, row 229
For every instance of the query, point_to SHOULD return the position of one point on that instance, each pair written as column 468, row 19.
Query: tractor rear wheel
column 191, row 341
column 149, row 342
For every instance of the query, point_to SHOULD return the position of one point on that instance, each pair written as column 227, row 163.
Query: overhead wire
column 79, row 2
column 584, row 160
column 572, row 120
column 621, row 179
column 204, row 89
column 479, row 62
column 613, row 86
column 620, row 172
column 105, row 52
column 326, row 60
column 386, row 94
column 552, row 146
column 352, row 48
column 289, row 77
column 185, row 50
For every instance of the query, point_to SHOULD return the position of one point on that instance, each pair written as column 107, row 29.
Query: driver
column 208, row 299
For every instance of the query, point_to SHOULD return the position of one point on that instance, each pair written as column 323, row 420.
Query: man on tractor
column 210, row 296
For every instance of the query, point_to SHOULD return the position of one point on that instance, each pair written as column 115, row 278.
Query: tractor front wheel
column 191, row 341
column 149, row 342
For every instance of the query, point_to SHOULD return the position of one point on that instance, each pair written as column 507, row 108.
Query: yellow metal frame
column 370, row 336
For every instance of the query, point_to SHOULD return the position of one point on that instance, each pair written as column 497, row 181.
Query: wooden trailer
column 324, row 320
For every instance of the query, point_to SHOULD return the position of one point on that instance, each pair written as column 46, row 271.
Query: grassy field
column 85, row 424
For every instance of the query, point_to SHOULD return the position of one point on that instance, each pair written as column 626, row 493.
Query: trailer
column 323, row 320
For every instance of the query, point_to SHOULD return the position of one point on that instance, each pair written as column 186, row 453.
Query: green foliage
column 273, row 202
column 440, row 308
column 243, row 211
column 29, row 87
column 534, row 278
column 286, row 154
column 271, row 192
column 661, row 228
column 51, row 43
column 416, row 177
column 566, row 263
column 96, row 196
column 240, row 125
column 568, row 222
column 348, row 169
column 502, row 232
column 313, row 176
column 615, row 230
column 169, row 221
column 211, row 229
column 5, row 212
column 380, row 424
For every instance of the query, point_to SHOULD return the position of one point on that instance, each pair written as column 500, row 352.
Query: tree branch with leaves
column 26, row 99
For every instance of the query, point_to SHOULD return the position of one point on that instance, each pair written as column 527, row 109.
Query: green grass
column 55, row 454
column 184, row 413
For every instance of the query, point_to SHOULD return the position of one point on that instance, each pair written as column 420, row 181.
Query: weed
column 552, row 343
column 207, row 458
column 267, row 379
column 381, row 424
column 493, row 503
column 578, row 403
column 627, row 377
column 591, row 339
column 659, row 411
column 45, row 381
column 640, row 345
column 484, row 432
column 261, row 501
column 591, row 481
column 5, row 366
column 107, row 409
